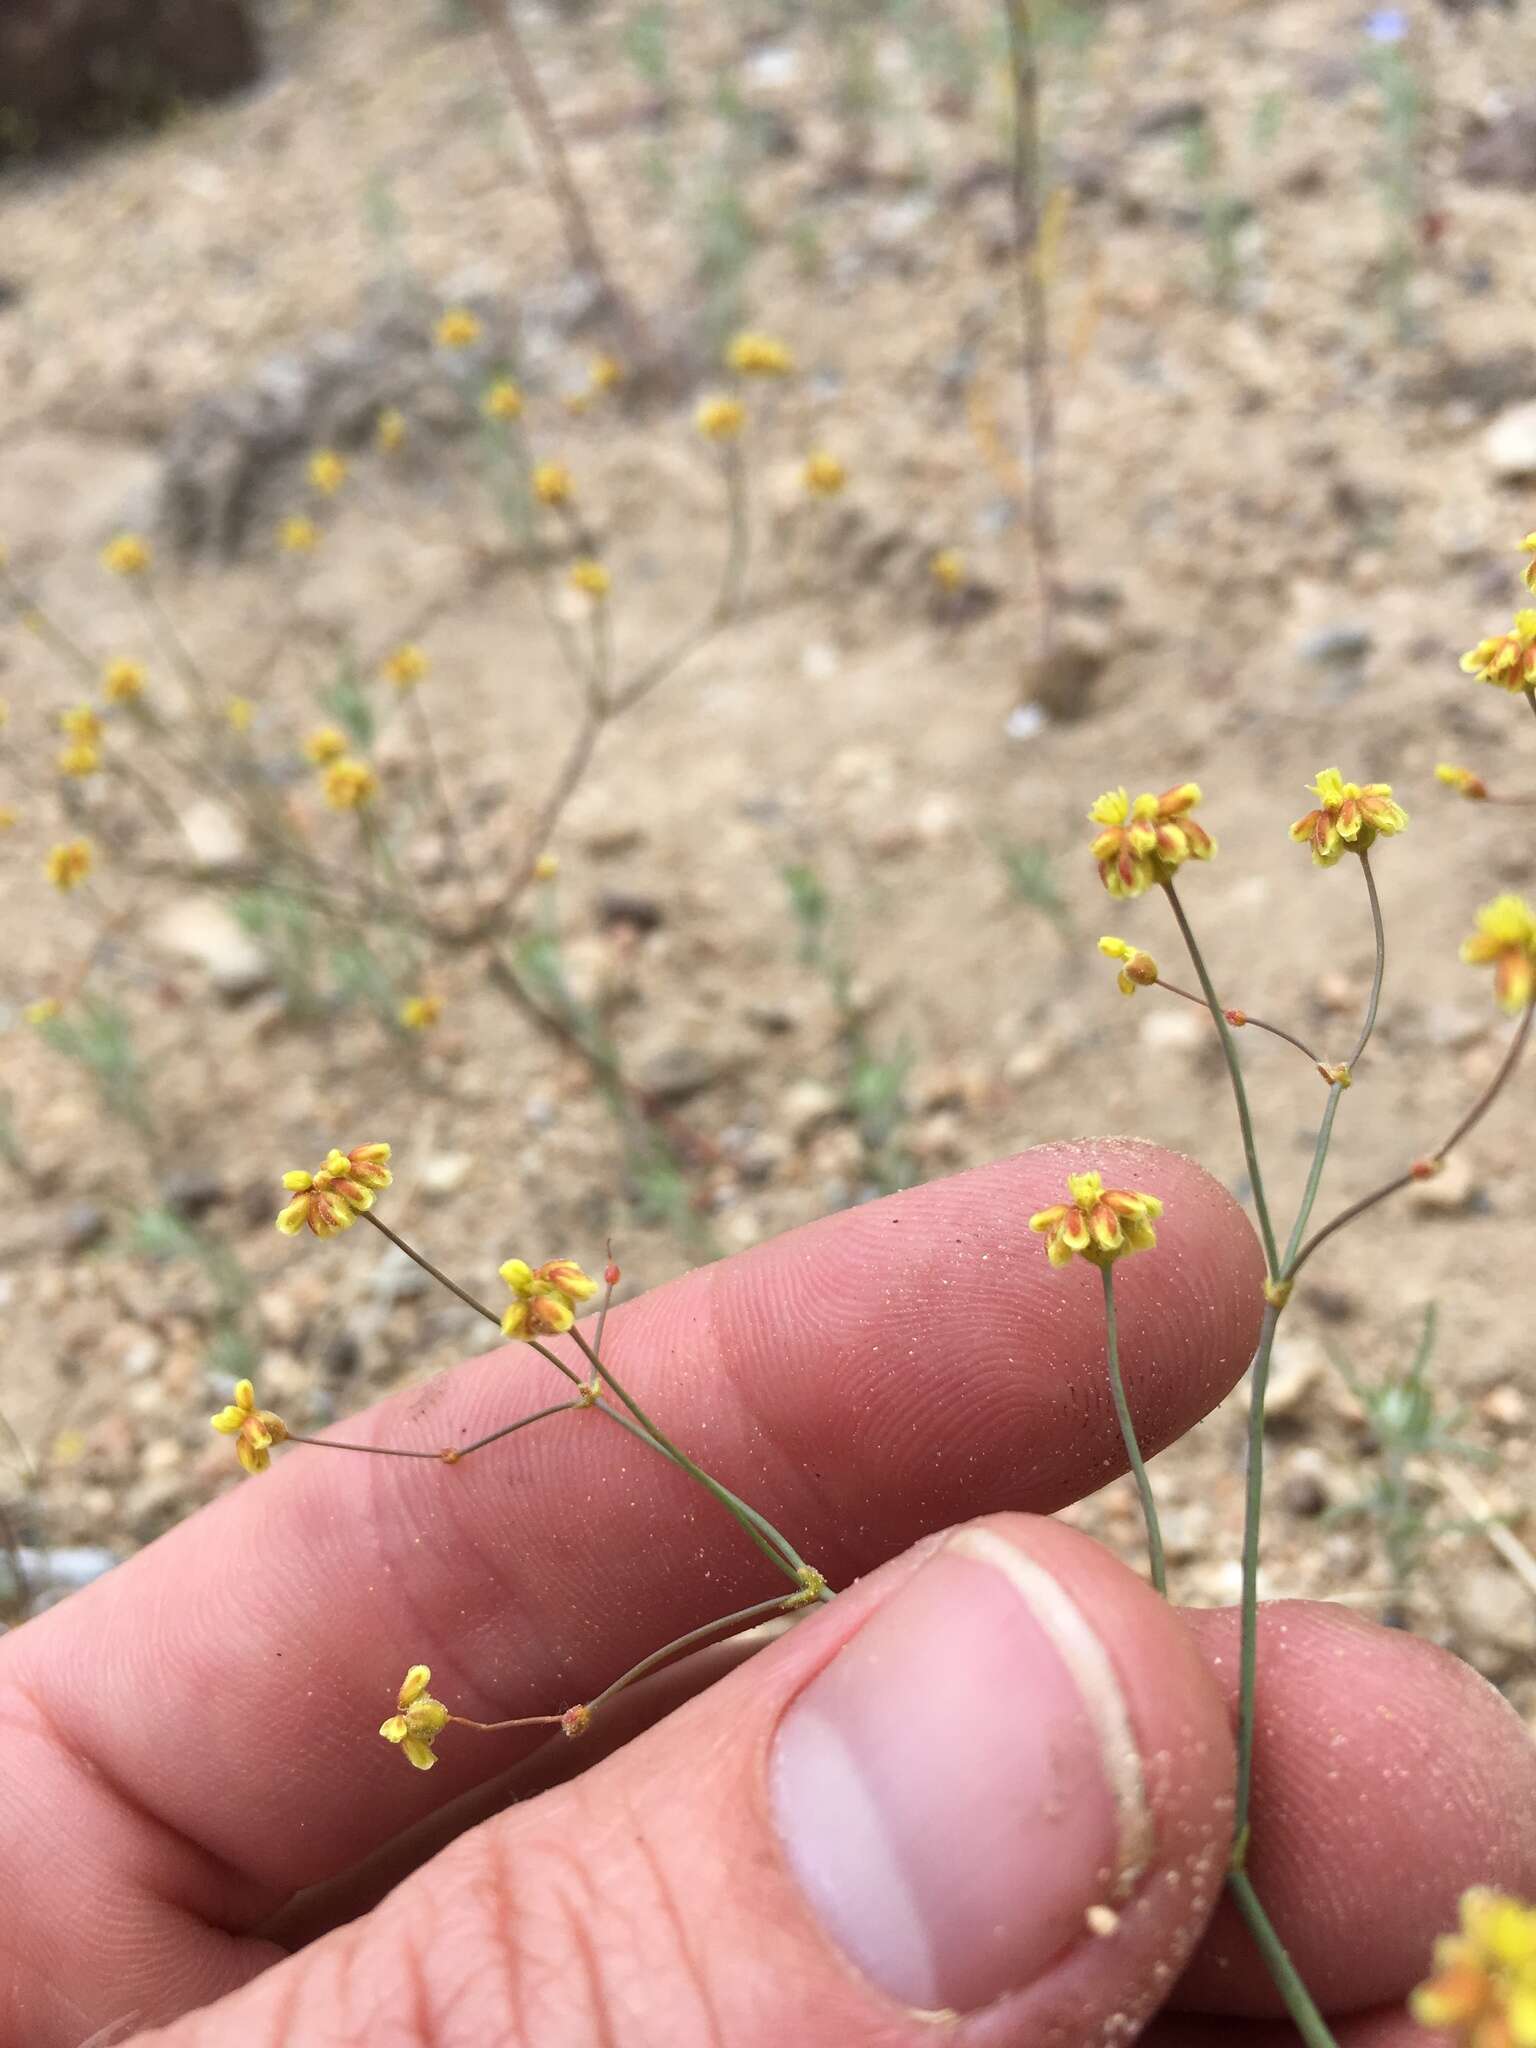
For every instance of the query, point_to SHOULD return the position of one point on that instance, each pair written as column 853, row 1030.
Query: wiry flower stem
column 1310, row 2024
column 1249, row 1021
column 1128, row 1434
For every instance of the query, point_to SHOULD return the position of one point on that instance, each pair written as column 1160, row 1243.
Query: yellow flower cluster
column 1507, row 660
column 1483, row 1990
column 325, row 744
column 1505, row 940
column 458, row 328
column 68, row 864
column 332, row 1198
column 759, row 355
column 418, row 1720
column 1349, row 817
column 591, row 578
column 254, row 1429
column 122, row 681
column 327, row 471
column 552, row 484
column 350, row 785
column 240, row 712
column 390, row 430
column 82, row 731
column 1139, row 969
column 1098, row 1224
column 298, row 534
column 720, row 419
column 1463, row 780
column 502, row 400
column 823, row 475
column 406, row 666
column 947, row 568
column 544, row 1297
column 420, row 1013
column 1528, row 574
column 127, row 554
column 1143, row 841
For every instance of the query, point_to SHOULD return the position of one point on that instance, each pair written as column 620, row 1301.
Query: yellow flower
column 82, row 723
column 420, row 1013
column 552, row 484
column 391, row 429
column 1349, row 817
column 947, row 568
column 68, row 864
column 1483, row 1989
column 544, row 1297
column 1528, row 574
column 406, row 666
column 546, row 867
column 325, row 743
column 79, row 758
column 591, row 577
column 8, row 817
column 419, row 1721
column 126, row 555
column 1505, row 940
column 759, row 355
column 298, row 534
column 254, row 1429
column 122, row 681
column 1139, row 970
column 823, row 474
column 1145, row 841
column 327, row 471
column 721, row 419
column 1097, row 1224
column 350, row 785
column 502, row 401
column 333, row 1197
column 605, row 371
column 458, row 328
column 43, row 1011
column 1470, row 785
column 1507, row 660
column 240, row 711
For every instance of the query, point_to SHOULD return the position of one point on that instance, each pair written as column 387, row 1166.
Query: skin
column 232, row 1856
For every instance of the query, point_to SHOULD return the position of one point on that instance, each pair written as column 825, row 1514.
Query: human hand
column 911, row 1800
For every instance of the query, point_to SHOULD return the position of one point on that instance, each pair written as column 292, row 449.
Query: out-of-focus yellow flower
column 420, row 1013
column 1482, row 1992
column 5, row 714
column 391, row 430
column 68, row 864
column 605, row 372
column 254, row 1429
column 1528, row 574
column 332, row 1198
column 406, row 666
column 758, row 355
column 1469, row 785
column 1507, row 660
column 1148, row 839
column 79, row 759
column 327, row 471
column 81, row 722
column 546, row 867
column 1097, row 1224
column 1350, row 817
column 502, row 400
column 823, row 474
column 325, row 743
column 947, row 568
column 590, row 577
column 127, row 554
column 9, row 817
column 544, row 1298
column 552, row 484
column 1505, row 940
column 419, row 1721
column 721, row 419
column 350, row 785
column 458, row 328
column 298, row 534
column 1139, row 970
column 43, row 1011
column 240, row 712
column 122, row 681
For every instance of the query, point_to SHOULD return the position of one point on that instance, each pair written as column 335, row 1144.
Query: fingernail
column 961, row 1784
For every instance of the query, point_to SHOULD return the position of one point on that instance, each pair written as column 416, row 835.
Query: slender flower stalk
column 1128, row 1434
column 1310, row 2024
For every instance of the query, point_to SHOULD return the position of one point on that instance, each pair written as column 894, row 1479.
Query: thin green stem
column 440, row 1277
column 1128, row 1434
column 744, row 1617
column 1379, row 931
column 1310, row 2023
column 1235, row 1072
column 1253, row 1505
column 1248, row 1020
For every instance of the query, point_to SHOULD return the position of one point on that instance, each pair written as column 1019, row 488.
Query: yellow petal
column 227, row 1421
column 417, row 1752
column 394, row 1729
column 417, row 1679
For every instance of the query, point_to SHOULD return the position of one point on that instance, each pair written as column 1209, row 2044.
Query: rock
column 1504, row 153
column 1455, row 1025
column 214, row 835
column 1496, row 1610
column 1452, row 1192
column 1062, row 683
column 1484, row 384
column 1307, row 1484
column 72, row 69
column 618, row 907
column 807, row 1104
column 200, row 930
column 84, row 1227
column 1180, row 1029
column 677, row 1073
column 397, row 1277
column 1509, row 445
column 192, row 1194
column 1506, row 1407
column 445, row 1173
column 1336, row 645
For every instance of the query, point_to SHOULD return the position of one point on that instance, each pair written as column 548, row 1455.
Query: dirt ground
column 1280, row 521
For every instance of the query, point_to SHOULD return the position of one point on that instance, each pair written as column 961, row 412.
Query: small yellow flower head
column 1482, row 1993
column 458, row 328
column 1350, row 816
column 406, row 666
column 759, row 355
column 391, row 429
column 1507, row 660
column 1463, row 780
column 1144, row 841
column 79, row 759
column 331, row 1199
column 1528, row 574
column 326, row 743
column 1505, row 940
column 126, row 555
column 605, row 372
column 420, row 1013
column 43, row 1011
column 823, row 475
column 68, row 864
column 544, row 1297
column 1097, row 1224
column 419, row 1721
column 546, row 867
column 122, row 681
column 254, row 1429
column 327, row 471
column 502, row 401
column 947, row 568
column 81, row 723
column 350, row 785
column 298, row 534
column 240, row 712
column 552, row 484
column 1139, row 969
column 721, row 419
column 9, row 817
column 590, row 577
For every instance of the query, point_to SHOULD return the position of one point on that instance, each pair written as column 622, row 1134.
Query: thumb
column 992, row 1780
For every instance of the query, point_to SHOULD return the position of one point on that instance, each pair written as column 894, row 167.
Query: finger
column 862, row 1381
column 1388, row 1778
column 993, row 1782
